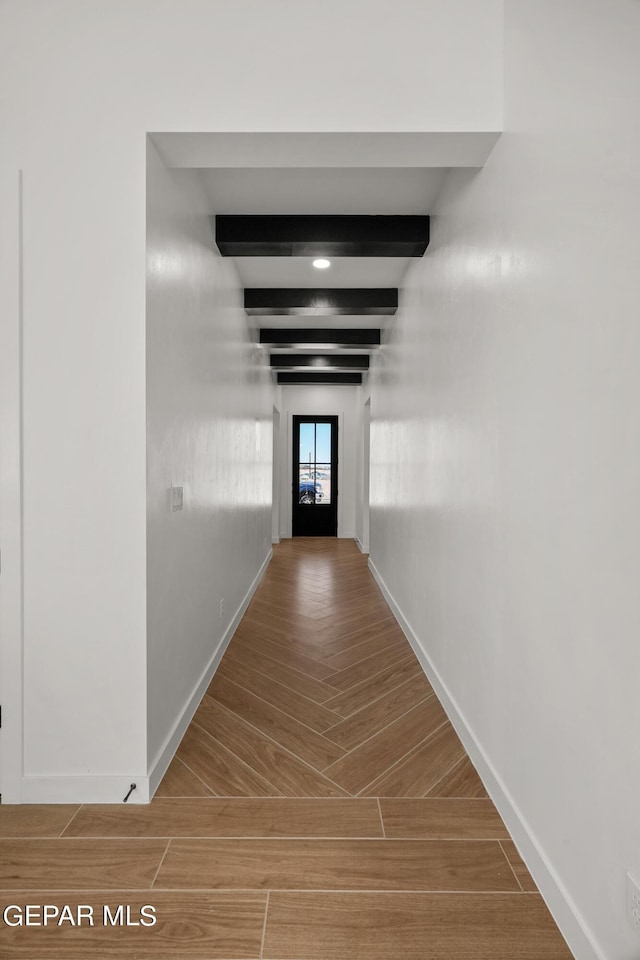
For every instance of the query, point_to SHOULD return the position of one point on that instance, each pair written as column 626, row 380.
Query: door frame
column 366, row 471
column 11, row 485
column 287, row 474
column 325, row 511
column 275, row 485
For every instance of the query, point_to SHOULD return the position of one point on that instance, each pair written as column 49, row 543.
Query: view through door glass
column 315, row 476
column 314, row 464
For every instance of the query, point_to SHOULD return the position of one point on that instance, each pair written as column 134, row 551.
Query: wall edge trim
column 165, row 755
column 569, row 920
column 361, row 547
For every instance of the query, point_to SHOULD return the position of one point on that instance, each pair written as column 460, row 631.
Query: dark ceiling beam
column 301, row 378
column 336, row 337
column 320, row 301
column 318, row 361
column 322, row 236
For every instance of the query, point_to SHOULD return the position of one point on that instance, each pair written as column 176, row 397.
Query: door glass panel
column 323, row 461
column 314, row 463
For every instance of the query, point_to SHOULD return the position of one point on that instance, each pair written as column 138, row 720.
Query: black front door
column 315, row 476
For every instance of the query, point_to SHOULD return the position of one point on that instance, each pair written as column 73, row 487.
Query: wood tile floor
column 320, row 807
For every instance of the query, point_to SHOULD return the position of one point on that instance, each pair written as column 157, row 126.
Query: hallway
column 320, row 666
column 320, row 807
column 192, row 195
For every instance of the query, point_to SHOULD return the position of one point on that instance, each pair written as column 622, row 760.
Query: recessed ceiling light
column 321, row 263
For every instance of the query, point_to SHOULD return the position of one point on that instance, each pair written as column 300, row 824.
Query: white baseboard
column 361, row 546
column 569, row 920
column 113, row 789
column 43, row 789
column 166, row 753
column 275, row 540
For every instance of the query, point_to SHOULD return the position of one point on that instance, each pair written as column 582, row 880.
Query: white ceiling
column 322, row 190
column 390, row 149
column 328, row 190
column 300, row 272
column 323, row 173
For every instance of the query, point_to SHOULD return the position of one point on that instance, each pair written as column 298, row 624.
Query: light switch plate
column 177, row 498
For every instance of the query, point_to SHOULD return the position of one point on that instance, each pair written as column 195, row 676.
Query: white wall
column 209, row 430
column 88, row 79
column 340, row 401
column 363, row 464
column 506, row 458
column 275, row 477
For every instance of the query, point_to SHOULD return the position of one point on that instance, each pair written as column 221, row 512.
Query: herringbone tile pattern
column 320, row 695
column 320, row 807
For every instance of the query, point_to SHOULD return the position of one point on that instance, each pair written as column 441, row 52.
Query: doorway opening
column 315, row 476
column 275, row 490
column 366, row 458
